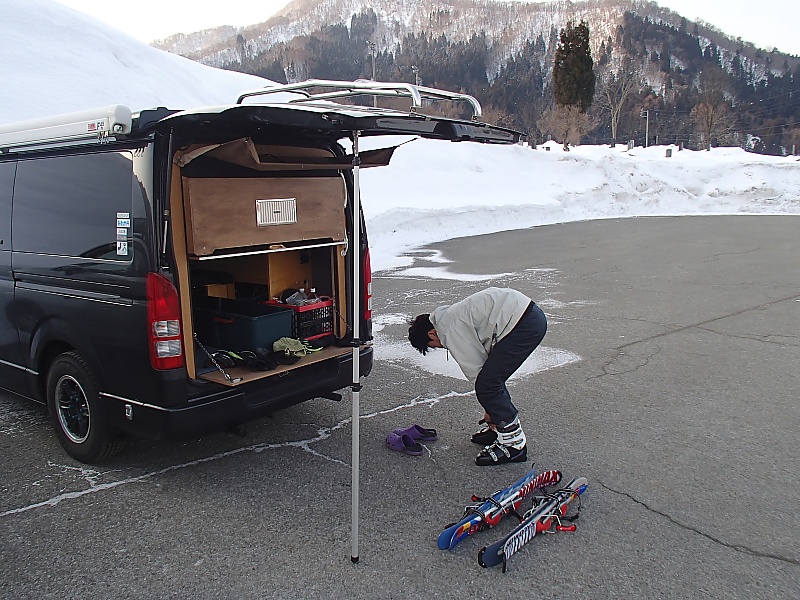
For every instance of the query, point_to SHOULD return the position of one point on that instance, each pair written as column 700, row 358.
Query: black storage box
column 234, row 325
column 311, row 321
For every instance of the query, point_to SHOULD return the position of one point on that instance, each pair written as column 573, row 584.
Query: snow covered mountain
column 503, row 53
column 510, row 24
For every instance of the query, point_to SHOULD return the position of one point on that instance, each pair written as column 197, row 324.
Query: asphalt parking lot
column 668, row 378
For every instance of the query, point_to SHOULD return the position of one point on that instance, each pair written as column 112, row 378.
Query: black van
column 148, row 261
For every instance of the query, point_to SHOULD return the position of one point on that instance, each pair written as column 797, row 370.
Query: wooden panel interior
column 247, row 375
column 289, row 270
column 302, row 268
column 221, row 213
column 221, row 290
column 340, row 324
column 182, row 268
column 218, row 214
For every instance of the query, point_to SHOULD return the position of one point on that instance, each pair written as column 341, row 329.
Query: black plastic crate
column 310, row 321
column 240, row 325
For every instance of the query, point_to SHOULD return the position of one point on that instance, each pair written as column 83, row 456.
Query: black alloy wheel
column 74, row 403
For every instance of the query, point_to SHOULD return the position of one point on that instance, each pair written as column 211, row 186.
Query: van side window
column 76, row 206
column 6, row 186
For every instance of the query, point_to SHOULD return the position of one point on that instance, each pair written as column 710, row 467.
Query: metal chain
column 215, row 363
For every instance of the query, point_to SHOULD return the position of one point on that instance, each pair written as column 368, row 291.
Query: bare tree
column 616, row 87
column 567, row 123
column 498, row 116
column 712, row 116
column 791, row 138
column 713, row 122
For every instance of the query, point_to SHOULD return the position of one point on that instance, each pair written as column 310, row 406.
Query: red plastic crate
column 310, row 321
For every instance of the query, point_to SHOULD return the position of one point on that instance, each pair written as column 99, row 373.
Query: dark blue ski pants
column 505, row 358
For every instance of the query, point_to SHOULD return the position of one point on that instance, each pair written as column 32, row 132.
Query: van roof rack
column 115, row 122
column 362, row 87
column 94, row 125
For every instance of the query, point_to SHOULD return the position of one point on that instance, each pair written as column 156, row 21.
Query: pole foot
column 354, row 559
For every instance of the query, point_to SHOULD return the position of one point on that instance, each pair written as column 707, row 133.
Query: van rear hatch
column 260, row 207
column 314, row 116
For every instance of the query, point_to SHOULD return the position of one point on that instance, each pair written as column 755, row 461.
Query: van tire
column 73, row 400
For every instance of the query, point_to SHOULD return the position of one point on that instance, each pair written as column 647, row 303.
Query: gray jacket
column 470, row 328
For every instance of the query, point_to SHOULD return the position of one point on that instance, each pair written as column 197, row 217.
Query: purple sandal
column 415, row 432
column 403, row 443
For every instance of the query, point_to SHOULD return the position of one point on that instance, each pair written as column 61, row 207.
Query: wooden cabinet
column 235, row 213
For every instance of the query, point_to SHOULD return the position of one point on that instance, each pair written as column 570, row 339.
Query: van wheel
column 74, row 404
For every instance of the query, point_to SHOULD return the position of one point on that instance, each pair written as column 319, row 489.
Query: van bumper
column 227, row 406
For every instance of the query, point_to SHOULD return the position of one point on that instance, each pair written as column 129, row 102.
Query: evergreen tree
column 573, row 74
column 274, row 71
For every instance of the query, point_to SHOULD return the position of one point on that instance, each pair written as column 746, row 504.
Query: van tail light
column 163, row 323
column 367, row 270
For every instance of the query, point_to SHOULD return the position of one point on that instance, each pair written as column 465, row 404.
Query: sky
column 766, row 23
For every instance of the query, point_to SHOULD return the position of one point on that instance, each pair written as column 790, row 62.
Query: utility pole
column 646, row 115
column 417, row 80
column 372, row 51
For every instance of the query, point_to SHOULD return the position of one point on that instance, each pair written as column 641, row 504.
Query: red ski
column 547, row 511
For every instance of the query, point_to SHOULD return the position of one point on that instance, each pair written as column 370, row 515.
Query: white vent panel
column 282, row 211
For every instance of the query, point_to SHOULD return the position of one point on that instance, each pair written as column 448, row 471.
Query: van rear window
column 75, row 206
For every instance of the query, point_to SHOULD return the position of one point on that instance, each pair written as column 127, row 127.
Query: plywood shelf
column 248, row 375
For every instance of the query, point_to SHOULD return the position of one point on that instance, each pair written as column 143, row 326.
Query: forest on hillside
column 654, row 81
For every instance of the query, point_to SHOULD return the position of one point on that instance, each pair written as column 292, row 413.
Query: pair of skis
column 548, row 510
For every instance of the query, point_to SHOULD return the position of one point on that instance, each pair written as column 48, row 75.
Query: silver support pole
column 355, row 249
